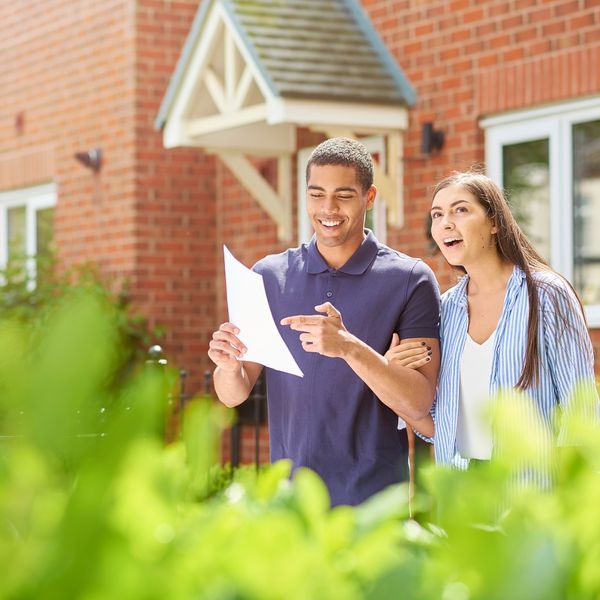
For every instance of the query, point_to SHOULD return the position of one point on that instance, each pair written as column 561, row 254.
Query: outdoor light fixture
column 91, row 159
column 431, row 139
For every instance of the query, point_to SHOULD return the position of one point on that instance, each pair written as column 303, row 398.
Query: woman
column 510, row 322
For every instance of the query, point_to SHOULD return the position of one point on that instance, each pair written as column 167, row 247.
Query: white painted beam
column 243, row 88
column 215, row 89
column 278, row 207
column 284, row 187
column 230, row 69
column 212, row 124
column 361, row 118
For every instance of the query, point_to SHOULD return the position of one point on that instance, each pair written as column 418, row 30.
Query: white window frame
column 33, row 198
column 375, row 145
column 555, row 124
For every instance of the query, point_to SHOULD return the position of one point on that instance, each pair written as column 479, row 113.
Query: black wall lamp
column 91, row 159
column 432, row 140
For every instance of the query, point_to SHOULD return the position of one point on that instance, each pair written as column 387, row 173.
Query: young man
column 339, row 299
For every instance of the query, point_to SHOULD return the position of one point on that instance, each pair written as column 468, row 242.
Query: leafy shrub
column 122, row 516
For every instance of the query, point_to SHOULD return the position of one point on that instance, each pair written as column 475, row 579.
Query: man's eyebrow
column 338, row 189
column 451, row 205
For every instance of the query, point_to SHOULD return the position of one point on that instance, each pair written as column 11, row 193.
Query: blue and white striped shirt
column 566, row 356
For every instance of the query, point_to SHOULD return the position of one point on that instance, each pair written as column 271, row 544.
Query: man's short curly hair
column 345, row 152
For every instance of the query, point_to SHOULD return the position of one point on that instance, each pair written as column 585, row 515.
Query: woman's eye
column 461, row 209
column 436, row 215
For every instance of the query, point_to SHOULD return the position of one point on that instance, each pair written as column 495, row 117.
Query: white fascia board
column 263, row 86
column 193, row 74
column 256, row 139
column 216, row 123
column 356, row 116
column 550, row 110
column 175, row 136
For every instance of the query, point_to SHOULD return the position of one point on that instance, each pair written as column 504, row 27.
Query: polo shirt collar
column 357, row 264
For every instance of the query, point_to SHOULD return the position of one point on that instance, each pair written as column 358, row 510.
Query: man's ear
column 371, row 195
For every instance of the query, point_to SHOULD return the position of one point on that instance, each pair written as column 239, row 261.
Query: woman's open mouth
column 452, row 242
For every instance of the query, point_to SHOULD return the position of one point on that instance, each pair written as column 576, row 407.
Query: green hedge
column 122, row 516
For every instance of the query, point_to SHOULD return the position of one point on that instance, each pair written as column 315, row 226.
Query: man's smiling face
column 337, row 205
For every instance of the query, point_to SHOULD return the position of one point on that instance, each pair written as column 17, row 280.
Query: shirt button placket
column 329, row 290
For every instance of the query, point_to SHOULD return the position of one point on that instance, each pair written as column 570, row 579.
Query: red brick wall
column 175, row 203
column 85, row 74
column 67, row 67
column 467, row 59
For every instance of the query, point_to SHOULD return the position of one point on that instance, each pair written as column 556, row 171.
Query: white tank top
column 474, row 430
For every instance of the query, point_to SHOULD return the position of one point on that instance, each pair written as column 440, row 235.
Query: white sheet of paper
column 249, row 310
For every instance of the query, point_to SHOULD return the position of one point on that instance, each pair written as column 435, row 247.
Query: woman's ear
column 494, row 224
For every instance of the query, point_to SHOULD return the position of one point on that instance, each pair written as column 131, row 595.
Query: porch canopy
column 253, row 71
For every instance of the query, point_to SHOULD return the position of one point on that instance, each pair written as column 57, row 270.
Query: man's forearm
column 232, row 387
column 406, row 391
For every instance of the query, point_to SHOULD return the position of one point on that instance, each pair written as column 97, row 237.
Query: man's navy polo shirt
column 329, row 420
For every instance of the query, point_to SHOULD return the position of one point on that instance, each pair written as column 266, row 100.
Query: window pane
column 586, row 210
column 526, row 177
column 15, row 220
column 44, row 226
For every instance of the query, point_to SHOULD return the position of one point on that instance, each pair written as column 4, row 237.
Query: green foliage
column 32, row 287
column 122, row 516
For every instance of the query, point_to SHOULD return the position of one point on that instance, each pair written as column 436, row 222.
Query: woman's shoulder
column 551, row 282
column 554, row 290
column 547, row 276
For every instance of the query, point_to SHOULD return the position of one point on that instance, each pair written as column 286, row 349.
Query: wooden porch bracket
column 276, row 202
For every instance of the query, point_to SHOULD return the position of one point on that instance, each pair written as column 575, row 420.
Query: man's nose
column 330, row 204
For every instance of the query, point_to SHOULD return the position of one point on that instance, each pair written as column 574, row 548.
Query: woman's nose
column 447, row 222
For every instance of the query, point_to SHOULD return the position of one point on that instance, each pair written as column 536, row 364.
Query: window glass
column 44, row 224
column 16, row 232
column 586, row 210
column 526, row 177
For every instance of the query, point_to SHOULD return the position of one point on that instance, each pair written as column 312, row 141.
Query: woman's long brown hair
column 515, row 248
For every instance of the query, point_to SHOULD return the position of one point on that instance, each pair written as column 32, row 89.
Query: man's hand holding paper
column 251, row 333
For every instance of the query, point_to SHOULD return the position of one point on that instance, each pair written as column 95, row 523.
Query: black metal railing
column 252, row 413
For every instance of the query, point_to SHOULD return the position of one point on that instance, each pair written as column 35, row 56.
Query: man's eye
column 345, row 197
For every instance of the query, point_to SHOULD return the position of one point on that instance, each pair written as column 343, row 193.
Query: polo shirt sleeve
column 420, row 316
